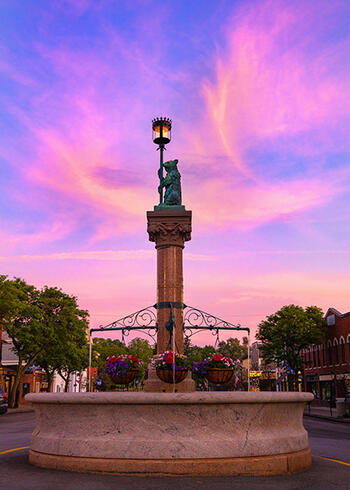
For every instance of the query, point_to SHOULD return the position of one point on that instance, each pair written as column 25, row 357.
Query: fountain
column 160, row 431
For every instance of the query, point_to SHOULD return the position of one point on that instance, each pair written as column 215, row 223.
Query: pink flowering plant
column 216, row 361
column 120, row 365
column 167, row 360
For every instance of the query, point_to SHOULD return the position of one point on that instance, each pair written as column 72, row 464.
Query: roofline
column 336, row 312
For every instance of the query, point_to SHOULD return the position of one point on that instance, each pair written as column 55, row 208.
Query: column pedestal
column 169, row 228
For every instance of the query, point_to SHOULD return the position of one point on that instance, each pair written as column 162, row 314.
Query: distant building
column 33, row 380
column 262, row 375
column 327, row 366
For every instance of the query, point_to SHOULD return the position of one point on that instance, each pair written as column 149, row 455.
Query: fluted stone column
column 169, row 229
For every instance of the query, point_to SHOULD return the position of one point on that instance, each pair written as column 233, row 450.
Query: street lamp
column 161, row 135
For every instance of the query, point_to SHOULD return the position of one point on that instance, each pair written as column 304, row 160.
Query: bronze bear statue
column 172, row 184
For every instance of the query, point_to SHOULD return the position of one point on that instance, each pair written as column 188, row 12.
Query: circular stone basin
column 200, row 433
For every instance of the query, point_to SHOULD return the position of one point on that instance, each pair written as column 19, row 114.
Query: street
column 327, row 440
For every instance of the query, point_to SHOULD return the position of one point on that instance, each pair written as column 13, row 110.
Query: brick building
column 327, row 366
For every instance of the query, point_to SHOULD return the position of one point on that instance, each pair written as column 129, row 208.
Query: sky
column 259, row 96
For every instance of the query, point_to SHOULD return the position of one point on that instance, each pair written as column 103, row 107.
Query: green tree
column 35, row 321
column 21, row 318
column 76, row 359
column 285, row 333
column 195, row 352
column 68, row 350
column 141, row 349
column 233, row 349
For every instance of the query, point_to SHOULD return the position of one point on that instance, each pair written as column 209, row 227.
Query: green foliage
column 229, row 348
column 285, row 333
column 69, row 350
column 233, row 349
column 141, row 349
column 41, row 324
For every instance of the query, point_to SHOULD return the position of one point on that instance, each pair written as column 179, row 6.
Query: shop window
column 342, row 349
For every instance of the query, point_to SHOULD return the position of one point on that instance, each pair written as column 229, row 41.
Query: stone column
column 169, row 229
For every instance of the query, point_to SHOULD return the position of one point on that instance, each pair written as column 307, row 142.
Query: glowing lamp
column 161, row 131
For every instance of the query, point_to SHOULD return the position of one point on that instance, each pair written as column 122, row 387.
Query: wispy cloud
column 104, row 255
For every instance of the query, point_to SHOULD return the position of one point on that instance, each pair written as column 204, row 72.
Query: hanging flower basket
column 219, row 376
column 123, row 369
column 167, row 375
column 124, row 379
column 216, row 368
column 167, row 363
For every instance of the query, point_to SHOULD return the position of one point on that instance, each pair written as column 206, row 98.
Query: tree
column 233, row 349
column 195, row 352
column 37, row 322
column 21, row 318
column 68, row 351
column 285, row 333
column 141, row 349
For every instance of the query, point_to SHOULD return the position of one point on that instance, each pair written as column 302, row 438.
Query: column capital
column 169, row 228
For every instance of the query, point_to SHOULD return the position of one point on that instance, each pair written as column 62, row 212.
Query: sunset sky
column 259, row 95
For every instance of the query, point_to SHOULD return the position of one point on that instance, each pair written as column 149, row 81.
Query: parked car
column 3, row 401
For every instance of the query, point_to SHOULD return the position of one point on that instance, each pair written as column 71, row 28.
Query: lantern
column 161, row 131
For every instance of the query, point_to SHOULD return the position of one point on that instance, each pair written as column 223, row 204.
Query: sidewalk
column 325, row 413
column 21, row 409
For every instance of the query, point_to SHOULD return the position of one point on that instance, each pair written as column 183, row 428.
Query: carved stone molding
column 167, row 228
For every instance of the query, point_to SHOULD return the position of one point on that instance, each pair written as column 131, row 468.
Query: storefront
column 312, row 385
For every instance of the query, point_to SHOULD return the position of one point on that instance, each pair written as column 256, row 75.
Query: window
column 342, row 350
column 25, row 389
column 318, row 357
column 330, row 357
column 314, row 355
column 336, row 351
column 324, row 354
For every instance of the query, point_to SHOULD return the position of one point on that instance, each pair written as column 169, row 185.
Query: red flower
column 112, row 359
column 169, row 358
column 218, row 357
column 133, row 358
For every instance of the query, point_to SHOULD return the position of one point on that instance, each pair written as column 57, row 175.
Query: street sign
column 255, row 374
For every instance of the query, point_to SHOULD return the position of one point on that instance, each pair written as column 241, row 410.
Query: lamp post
column 161, row 135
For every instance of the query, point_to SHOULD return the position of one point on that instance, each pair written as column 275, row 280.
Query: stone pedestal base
column 154, row 385
column 277, row 464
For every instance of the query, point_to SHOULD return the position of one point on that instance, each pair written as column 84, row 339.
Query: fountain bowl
column 182, row 434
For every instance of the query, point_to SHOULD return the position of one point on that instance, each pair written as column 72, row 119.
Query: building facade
column 327, row 366
column 262, row 376
column 32, row 381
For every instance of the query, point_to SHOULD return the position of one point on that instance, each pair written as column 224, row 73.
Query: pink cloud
column 268, row 84
column 252, row 204
column 48, row 233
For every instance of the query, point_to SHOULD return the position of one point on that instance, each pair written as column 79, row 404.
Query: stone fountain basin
column 199, row 433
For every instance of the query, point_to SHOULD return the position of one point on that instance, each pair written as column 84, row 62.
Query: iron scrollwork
column 196, row 320
column 144, row 320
